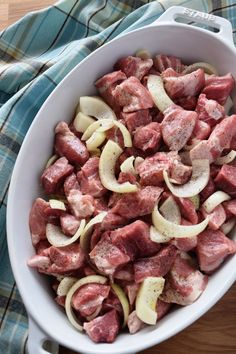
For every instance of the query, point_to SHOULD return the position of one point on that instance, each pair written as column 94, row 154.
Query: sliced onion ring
column 106, row 124
column 86, row 280
column 169, row 229
column 145, row 305
column 84, row 238
column 101, row 125
column 57, row 204
column 128, row 165
column 223, row 160
column 199, row 179
column 157, row 237
column 228, row 226
column 107, row 163
column 82, row 122
column 156, row 88
column 65, row 285
column 138, row 160
column 96, row 107
column 215, row 199
column 143, row 54
column 56, row 237
column 95, row 140
column 123, row 300
column 51, row 160
column 170, row 210
column 208, row 68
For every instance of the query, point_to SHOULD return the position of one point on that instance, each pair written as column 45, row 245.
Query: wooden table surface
column 215, row 332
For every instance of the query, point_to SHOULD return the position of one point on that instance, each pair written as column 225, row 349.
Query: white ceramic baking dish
column 46, row 319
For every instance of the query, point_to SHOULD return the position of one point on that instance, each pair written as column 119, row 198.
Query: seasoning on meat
column 134, row 240
column 136, row 119
column 132, row 95
column 131, row 205
column 134, row 66
column 156, row 266
column 89, row 179
column 184, row 283
column 185, row 85
column 177, row 127
column 148, row 138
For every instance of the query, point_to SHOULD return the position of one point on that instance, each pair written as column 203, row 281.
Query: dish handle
column 224, row 26
column 37, row 339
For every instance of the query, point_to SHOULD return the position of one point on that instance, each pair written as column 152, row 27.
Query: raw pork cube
column 184, row 283
column 69, row 145
column 132, row 95
column 212, row 248
column 134, row 66
column 89, row 298
column 134, row 240
column 103, row 329
column 156, row 266
column 54, row 175
column 218, row 87
column 89, row 179
column 226, row 179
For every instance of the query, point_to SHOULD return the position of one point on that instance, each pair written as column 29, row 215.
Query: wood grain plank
column 215, row 332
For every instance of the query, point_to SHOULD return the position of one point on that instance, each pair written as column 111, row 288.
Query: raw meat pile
column 196, row 126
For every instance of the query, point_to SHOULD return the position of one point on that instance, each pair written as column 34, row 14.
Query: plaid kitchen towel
column 35, row 55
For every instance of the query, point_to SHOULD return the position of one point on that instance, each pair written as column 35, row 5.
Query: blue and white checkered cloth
column 35, row 55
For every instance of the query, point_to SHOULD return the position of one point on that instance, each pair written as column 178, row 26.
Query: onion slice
column 208, row 68
column 226, row 159
column 95, row 140
column 228, row 226
column 169, row 229
column 199, row 179
column 171, row 212
column 65, row 285
column 128, row 165
column 82, row 122
column 157, row 237
column 57, row 204
column 146, row 300
column 56, row 237
column 156, row 88
column 106, row 124
column 101, row 125
column 107, row 163
column 215, row 199
column 123, row 300
column 96, row 107
column 143, row 54
column 84, row 238
column 86, row 280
